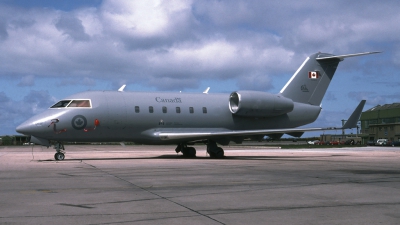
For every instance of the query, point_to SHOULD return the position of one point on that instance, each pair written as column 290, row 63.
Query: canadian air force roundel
column 79, row 122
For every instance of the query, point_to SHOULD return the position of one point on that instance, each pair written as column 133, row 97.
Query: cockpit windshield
column 78, row 103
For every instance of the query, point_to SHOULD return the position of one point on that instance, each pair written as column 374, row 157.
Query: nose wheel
column 59, row 156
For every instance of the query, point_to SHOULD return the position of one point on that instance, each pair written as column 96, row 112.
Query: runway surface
column 152, row 185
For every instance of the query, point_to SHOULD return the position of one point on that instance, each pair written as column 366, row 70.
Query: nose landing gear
column 59, row 156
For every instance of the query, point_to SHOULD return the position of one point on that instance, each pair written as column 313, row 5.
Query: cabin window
column 191, row 110
column 151, row 109
column 137, row 109
column 80, row 104
column 178, row 109
column 61, row 104
column 204, row 110
column 164, row 109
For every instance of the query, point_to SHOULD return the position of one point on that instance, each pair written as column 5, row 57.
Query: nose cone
column 33, row 125
column 26, row 128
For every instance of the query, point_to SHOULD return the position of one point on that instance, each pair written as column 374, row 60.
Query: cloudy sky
column 52, row 49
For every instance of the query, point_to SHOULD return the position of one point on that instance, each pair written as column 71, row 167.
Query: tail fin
column 310, row 82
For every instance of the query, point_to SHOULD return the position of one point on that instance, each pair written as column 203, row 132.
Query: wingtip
column 121, row 89
column 206, row 91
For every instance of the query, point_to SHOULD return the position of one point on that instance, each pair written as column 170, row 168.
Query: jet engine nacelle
column 258, row 104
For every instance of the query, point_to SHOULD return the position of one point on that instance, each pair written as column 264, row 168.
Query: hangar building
column 381, row 122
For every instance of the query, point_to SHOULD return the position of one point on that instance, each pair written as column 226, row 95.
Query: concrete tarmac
column 98, row 184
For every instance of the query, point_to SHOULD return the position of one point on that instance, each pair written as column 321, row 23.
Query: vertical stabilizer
column 310, row 82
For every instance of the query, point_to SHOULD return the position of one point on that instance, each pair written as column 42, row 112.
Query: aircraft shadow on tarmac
column 180, row 157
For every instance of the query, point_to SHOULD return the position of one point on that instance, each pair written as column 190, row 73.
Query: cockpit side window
column 61, row 104
column 80, row 103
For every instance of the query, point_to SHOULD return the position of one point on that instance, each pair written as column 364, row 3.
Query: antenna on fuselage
column 121, row 89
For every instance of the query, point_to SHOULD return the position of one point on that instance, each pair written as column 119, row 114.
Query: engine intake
column 258, row 104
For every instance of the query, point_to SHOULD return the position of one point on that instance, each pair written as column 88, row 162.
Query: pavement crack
column 153, row 193
column 79, row 206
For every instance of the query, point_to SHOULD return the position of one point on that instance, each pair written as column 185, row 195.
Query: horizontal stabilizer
column 341, row 57
column 355, row 116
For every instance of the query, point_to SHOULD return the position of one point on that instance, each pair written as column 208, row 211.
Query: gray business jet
column 187, row 118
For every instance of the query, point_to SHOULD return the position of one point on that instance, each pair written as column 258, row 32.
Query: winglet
column 206, row 91
column 121, row 89
column 355, row 116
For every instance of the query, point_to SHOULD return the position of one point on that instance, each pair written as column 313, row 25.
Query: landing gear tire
column 188, row 152
column 59, row 156
column 220, row 153
column 59, row 147
column 214, row 151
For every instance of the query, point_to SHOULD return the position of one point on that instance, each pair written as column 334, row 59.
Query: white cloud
column 136, row 40
column 144, row 19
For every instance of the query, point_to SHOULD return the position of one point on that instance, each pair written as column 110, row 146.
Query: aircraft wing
column 190, row 134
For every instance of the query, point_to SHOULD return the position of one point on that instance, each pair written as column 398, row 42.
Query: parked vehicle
column 315, row 142
column 387, row 143
column 334, row 142
column 371, row 143
column 349, row 142
column 396, row 143
column 380, row 141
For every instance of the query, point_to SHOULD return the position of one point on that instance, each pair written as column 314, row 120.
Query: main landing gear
column 212, row 149
column 188, row 152
column 60, row 151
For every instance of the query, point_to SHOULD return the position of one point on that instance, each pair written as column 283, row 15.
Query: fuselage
column 114, row 116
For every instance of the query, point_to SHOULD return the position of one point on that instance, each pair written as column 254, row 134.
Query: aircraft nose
column 22, row 128
column 26, row 128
